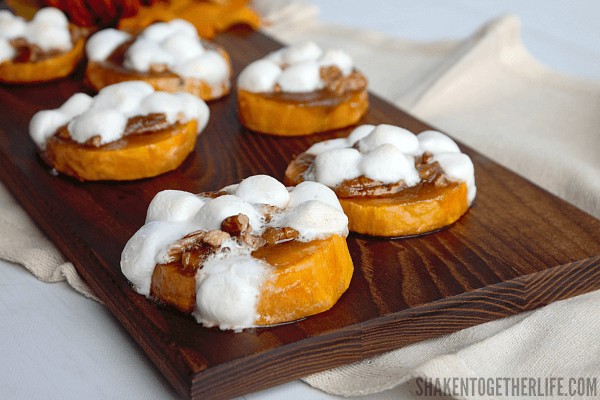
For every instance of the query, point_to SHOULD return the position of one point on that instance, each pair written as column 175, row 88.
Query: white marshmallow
column 359, row 133
column 193, row 107
column 301, row 52
column 309, row 190
column 161, row 102
column 173, row 206
column 387, row 153
column 259, row 76
column 7, row 52
column 76, row 105
column 263, row 189
column 335, row 166
column 44, row 124
column 144, row 53
column 142, row 251
column 124, row 97
column 326, row 145
column 182, row 46
column 12, row 26
column 458, row 167
column 314, row 220
column 49, row 29
column 301, row 77
column 51, row 16
column 216, row 210
column 106, row 114
column 338, row 58
column 402, row 138
column 103, row 43
column 209, row 66
column 157, row 32
column 228, row 290
column 296, row 68
column 436, row 142
column 388, row 164
column 106, row 123
column 49, row 37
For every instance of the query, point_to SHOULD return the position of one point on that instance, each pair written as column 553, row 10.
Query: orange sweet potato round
column 419, row 209
column 308, row 278
column 44, row 70
column 268, row 114
column 132, row 157
column 105, row 73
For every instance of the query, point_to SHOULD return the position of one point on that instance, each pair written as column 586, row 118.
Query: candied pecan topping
column 429, row 172
column 199, row 244
column 336, row 82
column 146, row 123
column 236, row 225
column 367, row 187
column 158, row 68
column 270, row 210
column 213, row 195
column 193, row 258
column 277, row 235
column 252, row 240
column 215, row 238
column 95, row 141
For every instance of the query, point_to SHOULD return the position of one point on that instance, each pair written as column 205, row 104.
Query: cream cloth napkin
column 489, row 93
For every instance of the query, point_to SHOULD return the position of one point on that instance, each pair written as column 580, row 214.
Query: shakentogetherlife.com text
column 508, row 387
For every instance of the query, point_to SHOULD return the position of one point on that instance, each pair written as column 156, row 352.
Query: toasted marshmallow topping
column 106, row 114
column 49, row 29
column 386, row 153
column 228, row 282
column 294, row 68
column 174, row 44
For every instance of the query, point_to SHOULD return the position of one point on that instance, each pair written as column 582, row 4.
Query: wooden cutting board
column 516, row 249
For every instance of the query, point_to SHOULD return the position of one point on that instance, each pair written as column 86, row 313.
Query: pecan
column 184, row 244
column 270, row 210
column 277, row 235
column 215, row 238
column 336, row 82
column 94, row 141
column 158, row 68
column 236, row 225
column 367, row 187
column 252, row 240
column 192, row 259
column 147, row 123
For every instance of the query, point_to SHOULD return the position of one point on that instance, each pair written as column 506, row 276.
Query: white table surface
column 56, row 344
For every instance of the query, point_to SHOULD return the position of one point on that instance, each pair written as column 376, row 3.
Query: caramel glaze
column 27, row 52
column 432, row 178
column 140, row 131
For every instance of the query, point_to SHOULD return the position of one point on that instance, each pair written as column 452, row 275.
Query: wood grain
column 516, row 249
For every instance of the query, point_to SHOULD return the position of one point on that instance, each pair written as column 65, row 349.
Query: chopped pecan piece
column 192, row 259
column 336, row 82
column 277, row 235
column 215, row 238
column 95, row 141
column 366, row 187
column 236, row 225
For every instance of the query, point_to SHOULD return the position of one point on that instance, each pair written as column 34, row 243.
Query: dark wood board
column 517, row 248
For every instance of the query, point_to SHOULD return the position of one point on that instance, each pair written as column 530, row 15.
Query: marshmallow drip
column 229, row 281
column 106, row 114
